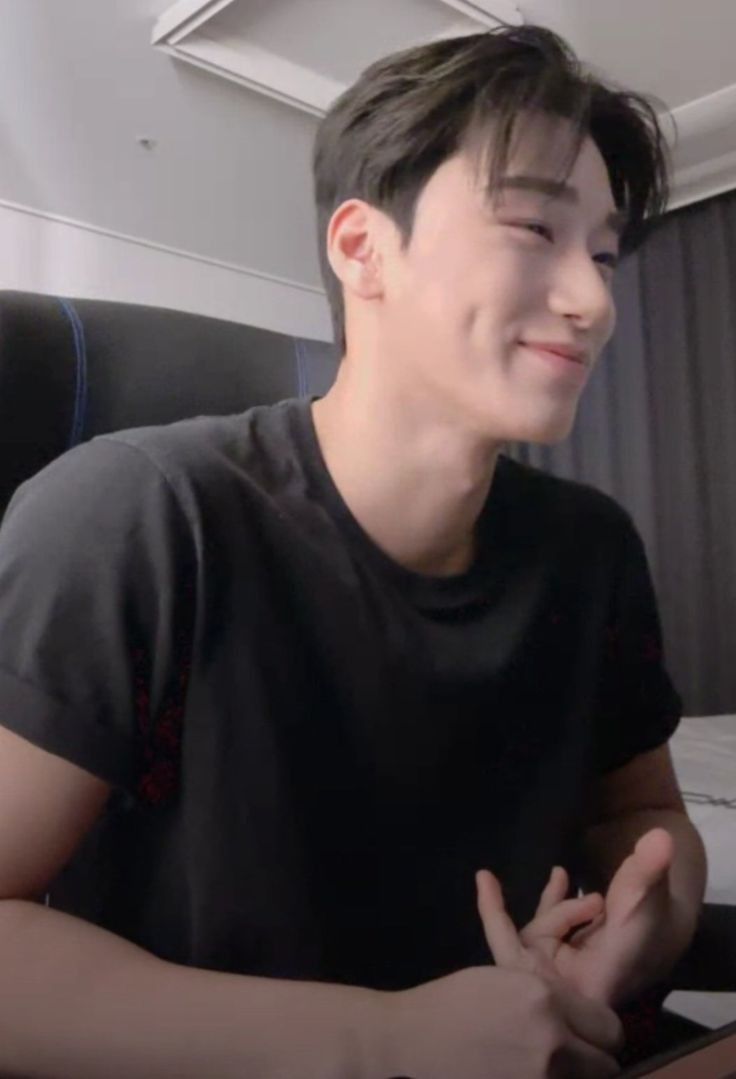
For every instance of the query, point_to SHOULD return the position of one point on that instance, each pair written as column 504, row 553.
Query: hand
column 511, row 1024
column 615, row 956
column 539, row 945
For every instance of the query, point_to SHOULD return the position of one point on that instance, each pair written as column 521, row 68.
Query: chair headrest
column 72, row 369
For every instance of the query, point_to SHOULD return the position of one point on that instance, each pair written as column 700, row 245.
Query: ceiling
column 226, row 173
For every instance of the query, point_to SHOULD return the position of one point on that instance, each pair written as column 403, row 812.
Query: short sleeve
column 96, row 571
column 638, row 707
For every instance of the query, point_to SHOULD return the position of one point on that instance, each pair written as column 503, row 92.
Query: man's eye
column 608, row 259
column 536, row 227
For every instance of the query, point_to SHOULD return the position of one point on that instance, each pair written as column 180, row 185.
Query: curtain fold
column 656, row 429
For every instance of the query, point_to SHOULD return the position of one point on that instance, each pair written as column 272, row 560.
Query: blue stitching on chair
column 80, row 350
column 301, row 370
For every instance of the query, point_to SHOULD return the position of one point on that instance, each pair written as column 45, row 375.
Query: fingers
column 584, row 1062
column 562, row 919
column 500, row 931
column 595, row 1023
column 554, row 892
column 579, row 936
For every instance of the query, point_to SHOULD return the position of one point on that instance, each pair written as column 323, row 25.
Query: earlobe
column 362, row 277
column 351, row 250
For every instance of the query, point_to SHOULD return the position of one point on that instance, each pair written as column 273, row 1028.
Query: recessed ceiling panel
column 306, row 53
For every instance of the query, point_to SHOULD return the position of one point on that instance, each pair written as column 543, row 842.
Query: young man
column 276, row 687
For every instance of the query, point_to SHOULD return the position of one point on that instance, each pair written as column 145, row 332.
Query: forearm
column 77, row 1002
column 609, row 843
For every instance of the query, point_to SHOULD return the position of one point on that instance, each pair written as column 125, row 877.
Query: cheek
column 469, row 291
column 504, row 297
column 483, row 284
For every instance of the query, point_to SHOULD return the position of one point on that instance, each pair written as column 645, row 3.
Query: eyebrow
column 557, row 189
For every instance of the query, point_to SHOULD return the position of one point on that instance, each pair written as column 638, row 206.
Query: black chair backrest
column 71, row 369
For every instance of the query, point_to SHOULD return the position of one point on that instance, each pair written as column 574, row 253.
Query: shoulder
column 186, row 444
column 222, row 469
column 116, row 483
column 158, row 479
column 198, row 451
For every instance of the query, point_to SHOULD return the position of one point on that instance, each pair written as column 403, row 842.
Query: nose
column 580, row 292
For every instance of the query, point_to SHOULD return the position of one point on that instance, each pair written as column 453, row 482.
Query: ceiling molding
column 711, row 172
column 189, row 31
column 488, row 13
column 712, row 113
column 184, row 18
column 713, row 177
column 262, row 71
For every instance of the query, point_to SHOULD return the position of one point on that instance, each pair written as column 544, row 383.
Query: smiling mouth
column 563, row 351
column 574, row 367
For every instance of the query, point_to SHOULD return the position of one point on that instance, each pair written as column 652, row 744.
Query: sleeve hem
column 659, row 737
column 62, row 730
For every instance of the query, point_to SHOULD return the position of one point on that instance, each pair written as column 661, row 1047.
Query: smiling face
column 482, row 281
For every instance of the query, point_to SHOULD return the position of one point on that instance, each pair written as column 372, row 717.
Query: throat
column 457, row 562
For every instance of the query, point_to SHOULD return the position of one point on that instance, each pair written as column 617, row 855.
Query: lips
column 569, row 352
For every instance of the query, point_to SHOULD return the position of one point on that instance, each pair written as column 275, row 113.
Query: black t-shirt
column 312, row 748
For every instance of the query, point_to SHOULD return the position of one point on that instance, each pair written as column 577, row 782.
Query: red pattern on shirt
column 160, row 736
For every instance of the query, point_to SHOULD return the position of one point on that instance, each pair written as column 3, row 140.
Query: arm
column 78, row 571
column 647, row 859
column 77, row 1002
column 631, row 801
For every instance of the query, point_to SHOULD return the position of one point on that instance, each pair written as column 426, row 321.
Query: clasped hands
column 603, row 946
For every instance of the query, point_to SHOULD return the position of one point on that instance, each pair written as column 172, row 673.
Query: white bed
column 704, row 752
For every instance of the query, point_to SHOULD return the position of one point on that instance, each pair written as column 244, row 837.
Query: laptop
column 711, row 1056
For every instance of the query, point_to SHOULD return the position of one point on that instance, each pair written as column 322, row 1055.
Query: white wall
column 228, row 176
column 41, row 252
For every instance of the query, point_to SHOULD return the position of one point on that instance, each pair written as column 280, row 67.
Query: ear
column 353, row 250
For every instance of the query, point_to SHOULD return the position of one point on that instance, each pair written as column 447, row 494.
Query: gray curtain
column 656, row 429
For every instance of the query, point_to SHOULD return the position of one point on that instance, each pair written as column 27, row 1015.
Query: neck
column 414, row 481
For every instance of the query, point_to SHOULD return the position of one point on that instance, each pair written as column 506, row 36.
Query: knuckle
column 546, row 1033
column 548, row 1051
column 540, row 995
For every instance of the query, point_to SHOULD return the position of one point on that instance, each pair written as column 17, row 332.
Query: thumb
column 644, row 869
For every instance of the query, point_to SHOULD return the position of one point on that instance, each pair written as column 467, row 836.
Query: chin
column 542, row 431
column 553, row 436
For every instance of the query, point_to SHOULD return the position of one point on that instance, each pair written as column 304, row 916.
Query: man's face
column 480, row 283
